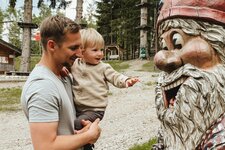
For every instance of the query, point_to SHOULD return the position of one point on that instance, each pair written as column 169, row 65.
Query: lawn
column 146, row 146
column 149, row 67
column 118, row 65
column 10, row 99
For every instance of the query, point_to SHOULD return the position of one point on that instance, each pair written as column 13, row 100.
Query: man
column 190, row 94
column 47, row 97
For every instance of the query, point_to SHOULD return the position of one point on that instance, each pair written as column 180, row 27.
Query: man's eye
column 73, row 48
column 178, row 41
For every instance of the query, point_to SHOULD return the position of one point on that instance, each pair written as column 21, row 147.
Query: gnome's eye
column 163, row 45
column 178, row 41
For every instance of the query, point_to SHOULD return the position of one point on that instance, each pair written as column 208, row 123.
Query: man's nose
column 168, row 61
column 78, row 52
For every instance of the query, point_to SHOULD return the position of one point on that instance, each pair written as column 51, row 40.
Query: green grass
column 118, row 65
column 110, row 93
column 149, row 67
column 146, row 146
column 150, row 83
column 10, row 99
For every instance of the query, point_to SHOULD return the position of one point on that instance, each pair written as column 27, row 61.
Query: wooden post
column 79, row 11
column 143, row 32
column 26, row 42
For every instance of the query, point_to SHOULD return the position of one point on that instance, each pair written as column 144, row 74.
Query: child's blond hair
column 91, row 38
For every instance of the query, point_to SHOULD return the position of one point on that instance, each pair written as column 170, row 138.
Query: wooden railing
column 17, row 73
column 6, row 67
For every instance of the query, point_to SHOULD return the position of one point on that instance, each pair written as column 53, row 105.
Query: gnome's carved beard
column 196, row 99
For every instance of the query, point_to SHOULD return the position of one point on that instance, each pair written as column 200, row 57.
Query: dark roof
column 10, row 46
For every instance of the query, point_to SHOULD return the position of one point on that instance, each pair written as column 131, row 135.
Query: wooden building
column 7, row 54
column 113, row 52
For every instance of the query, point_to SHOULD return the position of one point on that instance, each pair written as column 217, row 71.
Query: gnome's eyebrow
column 160, row 4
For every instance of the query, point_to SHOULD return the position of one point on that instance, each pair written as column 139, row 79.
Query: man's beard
column 199, row 102
column 67, row 65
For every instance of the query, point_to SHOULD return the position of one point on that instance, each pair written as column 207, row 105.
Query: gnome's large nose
column 167, row 61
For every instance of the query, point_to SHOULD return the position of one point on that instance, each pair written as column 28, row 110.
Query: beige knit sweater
column 90, row 84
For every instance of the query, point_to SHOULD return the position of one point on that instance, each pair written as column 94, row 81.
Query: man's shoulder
column 40, row 85
column 41, row 79
column 40, row 71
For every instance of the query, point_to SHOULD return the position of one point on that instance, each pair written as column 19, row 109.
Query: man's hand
column 95, row 131
column 86, row 125
column 92, row 129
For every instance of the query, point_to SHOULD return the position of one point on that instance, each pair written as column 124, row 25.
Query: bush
column 33, row 61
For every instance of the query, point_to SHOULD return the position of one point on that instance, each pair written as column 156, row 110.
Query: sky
column 70, row 12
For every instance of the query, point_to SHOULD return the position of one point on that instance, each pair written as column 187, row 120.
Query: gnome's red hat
column 209, row 10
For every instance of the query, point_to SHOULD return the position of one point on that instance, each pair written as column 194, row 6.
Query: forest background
column 117, row 20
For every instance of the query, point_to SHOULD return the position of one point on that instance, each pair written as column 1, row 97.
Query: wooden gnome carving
column 190, row 93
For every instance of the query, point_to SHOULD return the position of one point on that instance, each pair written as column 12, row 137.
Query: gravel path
column 130, row 117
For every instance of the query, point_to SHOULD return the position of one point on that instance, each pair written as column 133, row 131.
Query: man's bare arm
column 44, row 136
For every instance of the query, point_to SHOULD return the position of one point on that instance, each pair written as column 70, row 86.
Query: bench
column 114, row 57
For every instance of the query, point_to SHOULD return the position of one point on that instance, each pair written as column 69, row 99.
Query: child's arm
column 131, row 81
column 115, row 78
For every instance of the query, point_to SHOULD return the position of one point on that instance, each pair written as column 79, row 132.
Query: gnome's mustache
column 193, row 106
column 171, row 83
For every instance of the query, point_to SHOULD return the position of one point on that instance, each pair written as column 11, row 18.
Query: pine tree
column 119, row 23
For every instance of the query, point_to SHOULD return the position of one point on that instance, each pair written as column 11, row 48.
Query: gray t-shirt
column 46, row 98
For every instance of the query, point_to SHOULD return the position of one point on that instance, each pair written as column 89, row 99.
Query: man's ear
column 51, row 45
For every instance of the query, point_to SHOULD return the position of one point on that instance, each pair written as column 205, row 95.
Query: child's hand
column 64, row 72
column 130, row 82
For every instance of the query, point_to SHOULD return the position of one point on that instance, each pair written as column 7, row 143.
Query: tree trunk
column 26, row 42
column 143, row 32
column 79, row 11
